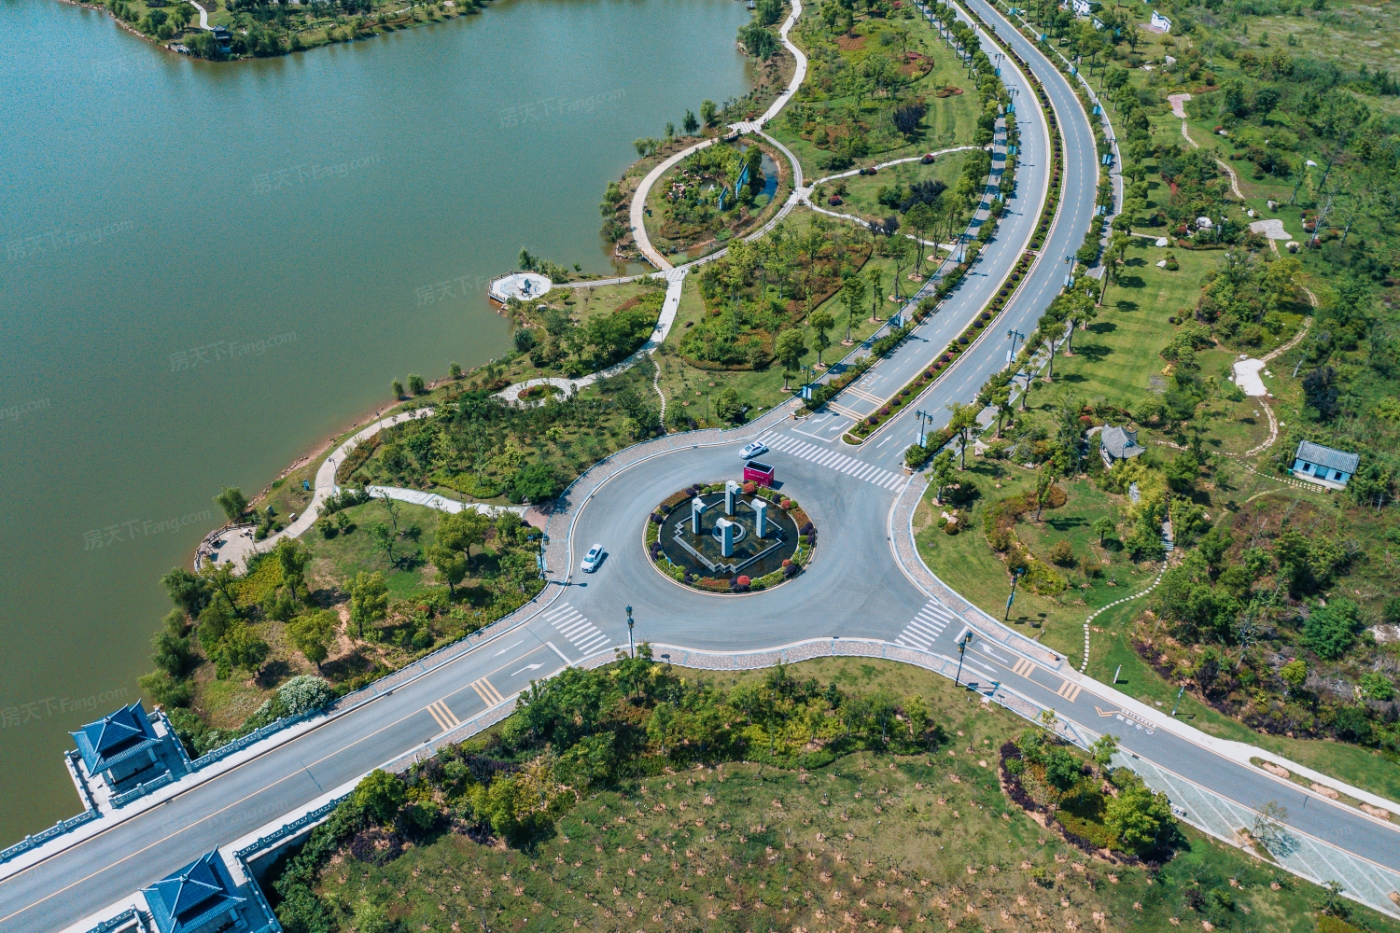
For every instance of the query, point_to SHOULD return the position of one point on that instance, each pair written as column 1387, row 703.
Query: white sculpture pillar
column 697, row 508
column 760, row 507
column 731, row 489
column 726, row 537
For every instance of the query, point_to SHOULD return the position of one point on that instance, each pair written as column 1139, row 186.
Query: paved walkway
column 675, row 279
column 637, row 213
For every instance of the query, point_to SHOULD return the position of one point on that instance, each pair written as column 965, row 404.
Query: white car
column 753, row 450
column 593, row 558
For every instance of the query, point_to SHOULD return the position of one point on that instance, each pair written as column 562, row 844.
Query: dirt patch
column 1276, row 770
column 850, row 43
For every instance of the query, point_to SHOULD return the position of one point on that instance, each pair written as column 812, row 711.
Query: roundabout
column 729, row 537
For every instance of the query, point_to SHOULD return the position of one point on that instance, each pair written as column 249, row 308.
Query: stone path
column 1177, row 100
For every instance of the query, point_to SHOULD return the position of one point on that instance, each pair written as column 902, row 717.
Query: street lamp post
column 1012, row 335
column 631, row 645
column 1014, row 577
column 962, row 647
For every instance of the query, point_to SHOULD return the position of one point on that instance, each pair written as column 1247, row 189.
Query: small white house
column 1324, row 466
column 1160, row 22
column 1081, row 7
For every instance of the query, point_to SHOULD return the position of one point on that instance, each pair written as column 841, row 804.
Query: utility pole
column 631, row 645
column 962, row 647
column 1178, row 700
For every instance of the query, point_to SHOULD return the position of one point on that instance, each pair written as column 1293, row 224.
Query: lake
column 210, row 269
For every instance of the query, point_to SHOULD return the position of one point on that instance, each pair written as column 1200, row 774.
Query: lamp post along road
column 631, row 645
column 962, row 648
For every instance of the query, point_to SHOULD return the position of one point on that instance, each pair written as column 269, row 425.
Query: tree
column 303, row 694
column 171, row 646
column 1103, row 527
column 854, row 294
column 943, row 474
column 1294, row 673
column 384, row 538
column 873, row 277
column 397, row 388
column 900, row 248
column 293, row 560
column 233, row 502
column 1332, row 629
column 963, row 421
column 535, row 481
column 186, row 590
column 921, row 218
column 379, row 795
column 1320, row 392
column 415, row 384
column 1001, row 398
column 369, row 600
column 242, row 648
column 313, row 635
column 708, row 112
column 1102, row 750
column 727, row 405
column 449, row 563
column 1137, row 817
column 821, row 322
column 1044, row 486
column 690, row 124
column 789, row 348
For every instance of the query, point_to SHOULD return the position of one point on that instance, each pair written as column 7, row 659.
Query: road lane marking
column 574, row 626
column 444, row 716
column 507, row 648
column 1024, row 668
column 928, row 623
column 489, row 694
column 528, row 667
column 1069, row 690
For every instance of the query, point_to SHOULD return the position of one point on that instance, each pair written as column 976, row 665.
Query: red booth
column 760, row 473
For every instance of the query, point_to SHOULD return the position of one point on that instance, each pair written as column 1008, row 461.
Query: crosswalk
column 572, row 624
column 923, row 630
column 822, row 455
column 488, row 693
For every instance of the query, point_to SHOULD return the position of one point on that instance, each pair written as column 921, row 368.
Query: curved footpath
column 876, row 600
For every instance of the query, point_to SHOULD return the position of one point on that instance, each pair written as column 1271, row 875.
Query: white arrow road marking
column 528, row 667
column 508, row 647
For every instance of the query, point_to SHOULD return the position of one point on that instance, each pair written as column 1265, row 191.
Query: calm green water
column 209, row 268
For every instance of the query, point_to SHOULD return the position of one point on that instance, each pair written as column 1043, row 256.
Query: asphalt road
column 853, row 587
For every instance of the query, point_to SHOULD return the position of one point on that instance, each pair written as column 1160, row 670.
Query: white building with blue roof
column 1324, row 465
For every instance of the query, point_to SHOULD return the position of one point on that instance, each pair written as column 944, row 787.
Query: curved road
column 860, row 585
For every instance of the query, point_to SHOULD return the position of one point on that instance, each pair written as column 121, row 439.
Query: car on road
column 593, row 558
column 753, row 450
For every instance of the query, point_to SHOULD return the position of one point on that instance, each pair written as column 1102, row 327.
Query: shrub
column 1062, row 553
column 304, row 694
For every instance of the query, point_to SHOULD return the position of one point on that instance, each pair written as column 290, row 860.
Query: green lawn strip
column 920, row 842
column 337, row 559
column 859, row 192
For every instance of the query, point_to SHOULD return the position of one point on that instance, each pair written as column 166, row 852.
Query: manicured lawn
column 919, row 843
column 861, row 190
column 1115, row 358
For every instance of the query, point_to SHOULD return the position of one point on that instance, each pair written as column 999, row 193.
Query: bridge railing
column 57, row 829
column 141, row 790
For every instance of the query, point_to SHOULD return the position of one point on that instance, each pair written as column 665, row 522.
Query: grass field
column 950, row 120
column 916, row 843
column 861, row 191
column 967, row 563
